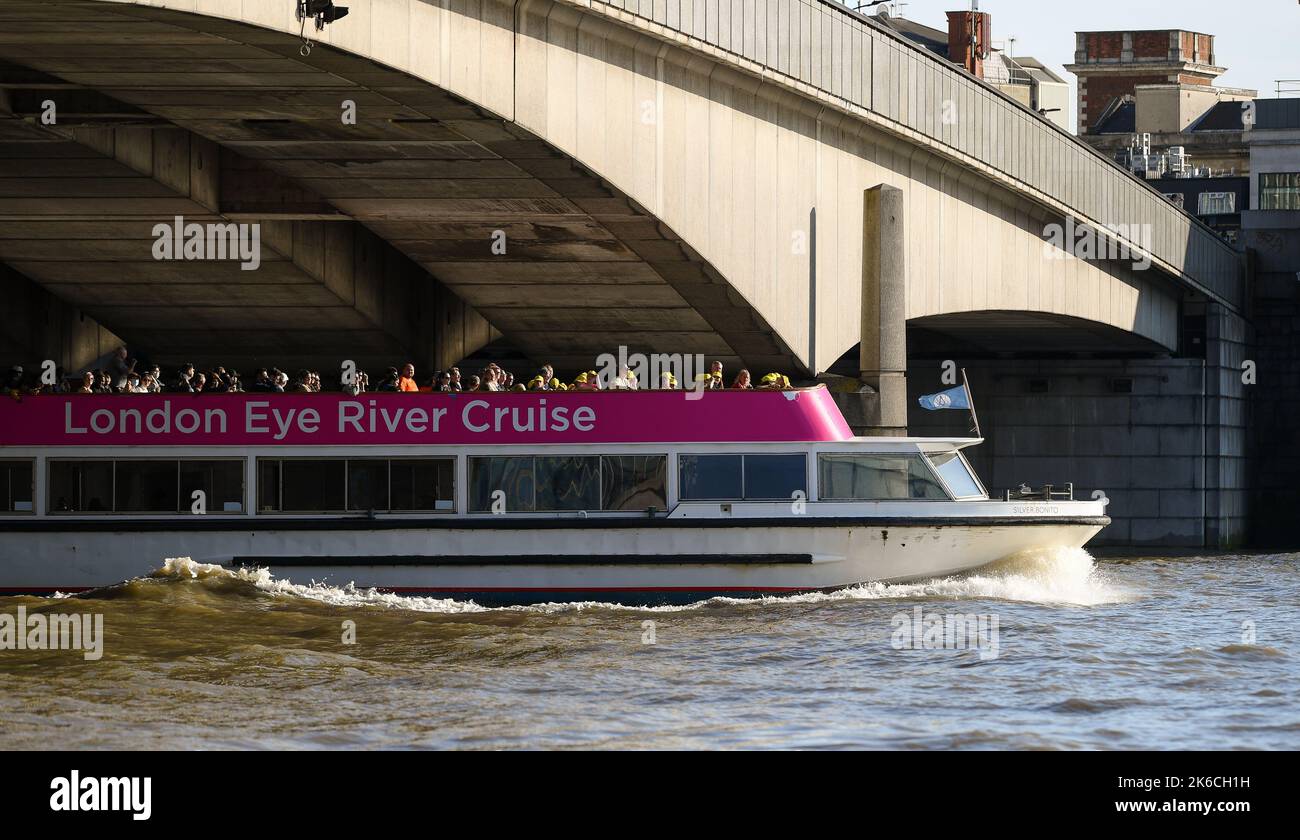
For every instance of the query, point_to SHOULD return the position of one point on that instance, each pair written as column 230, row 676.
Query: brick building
column 1111, row 66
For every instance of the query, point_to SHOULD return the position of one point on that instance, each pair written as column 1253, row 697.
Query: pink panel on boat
column 392, row 419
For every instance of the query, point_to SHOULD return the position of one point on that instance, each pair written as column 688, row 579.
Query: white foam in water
column 183, row 568
column 1048, row 576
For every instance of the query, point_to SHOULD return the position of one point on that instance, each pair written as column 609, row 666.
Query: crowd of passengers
column 125, row 375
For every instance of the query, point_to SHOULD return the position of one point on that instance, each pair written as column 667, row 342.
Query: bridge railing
column 822, row 44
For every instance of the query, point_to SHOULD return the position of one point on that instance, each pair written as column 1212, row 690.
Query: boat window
column 368, row 485
column 422, row 484
column 543, row 483
column 16, row 486
column 145, row 486
column 568, row 483
column 504, row 480
column 775, row 476
column 876, row 477
column 222, row 483
column 634, row 482
column 742, row 477
column 355, row 485
column 711, row 476
column 956, row 474
column 312, row 486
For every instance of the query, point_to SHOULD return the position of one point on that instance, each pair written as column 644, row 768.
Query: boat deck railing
column 1046, row 493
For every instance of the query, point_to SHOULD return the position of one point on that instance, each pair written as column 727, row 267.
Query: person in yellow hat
column 557, row 385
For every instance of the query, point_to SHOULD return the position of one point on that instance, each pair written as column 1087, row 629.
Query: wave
column 1066, row 576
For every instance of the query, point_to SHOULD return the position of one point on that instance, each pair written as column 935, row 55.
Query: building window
column 1279, row 191
column 16, row 486
column 355, row 485
column 145, row 486
column 742, row 477
column 540, row 484
column 876, row 478
column 1216, row 203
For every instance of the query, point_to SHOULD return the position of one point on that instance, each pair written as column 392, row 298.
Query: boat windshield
column 956, row 474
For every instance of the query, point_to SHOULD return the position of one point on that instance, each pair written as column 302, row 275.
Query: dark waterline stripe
column 526, row 560
column 271, row 523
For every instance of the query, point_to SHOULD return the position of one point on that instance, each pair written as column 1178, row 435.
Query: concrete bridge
column 687, row 175
column 779, row 183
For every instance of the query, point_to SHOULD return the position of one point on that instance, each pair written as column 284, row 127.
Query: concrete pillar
column 883, row 355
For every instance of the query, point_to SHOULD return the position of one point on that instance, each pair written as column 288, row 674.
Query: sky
column 1257, row 40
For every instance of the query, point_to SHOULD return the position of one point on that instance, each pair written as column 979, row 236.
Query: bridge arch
column 740, row 191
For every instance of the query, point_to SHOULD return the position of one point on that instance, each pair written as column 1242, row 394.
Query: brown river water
column 1130, row 653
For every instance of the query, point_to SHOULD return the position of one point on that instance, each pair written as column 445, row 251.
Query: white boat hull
column 521, row 562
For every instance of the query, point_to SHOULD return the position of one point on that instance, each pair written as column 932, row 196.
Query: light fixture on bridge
column 322, row 11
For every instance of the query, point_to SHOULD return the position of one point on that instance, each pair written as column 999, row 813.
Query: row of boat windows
column 508, row 483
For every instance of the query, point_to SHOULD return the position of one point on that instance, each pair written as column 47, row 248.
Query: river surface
column 1133, row 653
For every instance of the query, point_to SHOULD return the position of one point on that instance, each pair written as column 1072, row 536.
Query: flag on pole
column 952, row 398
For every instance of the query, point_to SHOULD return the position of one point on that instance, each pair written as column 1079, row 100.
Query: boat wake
column 1059, row 576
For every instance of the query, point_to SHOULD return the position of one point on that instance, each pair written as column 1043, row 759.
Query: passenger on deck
column 280, row 380
column 389, row 383
column 475, row 384
column 87, row 383
column 261, row 382
column 625, row 381
column 743, row 381
column 120, row 367
column 13, row 384
column 406, row 382
column 443, row 383
column 667, row 381
column 544, row 380
column 455, row 379
column 182, row 384
column 712, row 380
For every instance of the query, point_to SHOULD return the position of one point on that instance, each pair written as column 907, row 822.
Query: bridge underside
column 425, row 230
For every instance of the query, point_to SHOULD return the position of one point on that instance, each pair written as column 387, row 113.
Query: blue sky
column 1257, row 40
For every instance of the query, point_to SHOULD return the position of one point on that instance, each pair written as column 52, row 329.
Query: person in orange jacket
column 406, row 382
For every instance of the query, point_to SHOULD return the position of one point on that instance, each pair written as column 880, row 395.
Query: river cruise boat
column 645, row 497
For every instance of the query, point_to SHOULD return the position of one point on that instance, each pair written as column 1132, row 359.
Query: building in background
column 1270, row 235
column 968, row 42
column 1158, row 86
